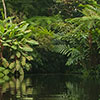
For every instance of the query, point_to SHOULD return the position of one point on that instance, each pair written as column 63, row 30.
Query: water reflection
column 50, row 87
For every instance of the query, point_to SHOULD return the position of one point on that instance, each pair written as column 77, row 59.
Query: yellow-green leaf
column 26, row 48
column 6, row 71
column 17, row 65
column 12, row 65
column 18, row 54
column 5, row 62
column 29, row 58
column 2, row 69
column 23, row 61
column 1, row 75
column 33, row 42
column 12, row 57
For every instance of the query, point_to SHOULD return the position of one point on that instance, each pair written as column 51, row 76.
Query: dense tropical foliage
column 56, row 36
column 15, row 46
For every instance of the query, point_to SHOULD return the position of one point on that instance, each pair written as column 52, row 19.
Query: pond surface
column 51, row 87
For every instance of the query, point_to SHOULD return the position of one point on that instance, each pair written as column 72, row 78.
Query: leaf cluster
column 15, row 45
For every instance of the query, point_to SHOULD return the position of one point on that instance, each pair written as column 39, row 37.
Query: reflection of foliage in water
column 17, row 89
column 33, row 88
column 74, row 92
column 50, row 88
column 4, row 75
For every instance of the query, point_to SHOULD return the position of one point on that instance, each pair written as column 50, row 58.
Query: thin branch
column 4, row 6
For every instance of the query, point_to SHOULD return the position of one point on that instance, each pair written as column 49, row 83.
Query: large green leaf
column 29, row 58
column 12, row 65
column 1, row 75
column 27, row 66
column 6, row 45
column 2, row 81
column 14, row 47
column 12, row 57
column 26, row 48
column 21, row 71
column 8, row 41
column 33, row 42
column 19, row 35
column 2, row 29
column 6, row 71
column 2, row 69
column 24, row 27
column 5, row 62
column 6, row 78
column 18, row 66
column 23, row 61
column 18, row 54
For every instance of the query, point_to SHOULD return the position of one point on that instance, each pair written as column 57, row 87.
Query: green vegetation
column 81, row 41
column 60, row 32
column 15, row 45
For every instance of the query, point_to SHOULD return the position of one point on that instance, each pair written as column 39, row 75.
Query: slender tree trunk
column 90, row 47
column 90, row 41
column 4, row 7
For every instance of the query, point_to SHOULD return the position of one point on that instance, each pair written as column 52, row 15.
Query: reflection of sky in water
column 50, row 87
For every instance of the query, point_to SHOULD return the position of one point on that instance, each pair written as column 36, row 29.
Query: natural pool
column 51, row 87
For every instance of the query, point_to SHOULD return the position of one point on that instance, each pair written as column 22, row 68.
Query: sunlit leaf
column 27, row 66
column 26, row 48
column 6, row 71
column 1, row 75
column 29, row 58
column 2, row 69
column 23, row 61
column 32, row 42
column 6, row 78
column 12, row 57
column 2, row 81
column 24, row 27
column 18, row 54
column 18, row 66
column 5, row 62
column 14, row 47
column 12, row 65
column 6, row 45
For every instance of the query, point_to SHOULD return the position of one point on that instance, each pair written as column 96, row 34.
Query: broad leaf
column 23, row 61
column 27, row 66
column 5, row 62
column 32, row 42
column 26, row 48
column 6, row 78
column 18, row 54
column 12, row 65
column 2, row 69
column 18, row 66
column 6, row 71
column 1, row 75
column 12, row 57
column 29, row 58
column 14, row 47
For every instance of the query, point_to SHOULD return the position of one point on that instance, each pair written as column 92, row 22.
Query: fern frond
column 61, row 48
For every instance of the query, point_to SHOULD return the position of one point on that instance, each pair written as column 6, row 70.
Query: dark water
column 51, row 87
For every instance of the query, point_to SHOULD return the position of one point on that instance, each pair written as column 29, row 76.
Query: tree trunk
column 4, row 7
column 90, row 47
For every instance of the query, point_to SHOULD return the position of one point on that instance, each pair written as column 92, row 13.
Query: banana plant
column 15, row 45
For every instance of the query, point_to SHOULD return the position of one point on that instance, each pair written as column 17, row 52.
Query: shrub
column 15, row 45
